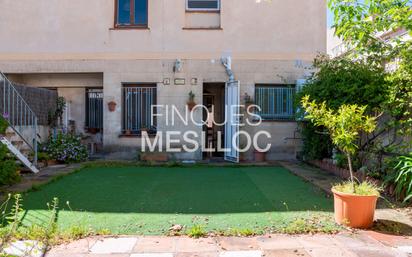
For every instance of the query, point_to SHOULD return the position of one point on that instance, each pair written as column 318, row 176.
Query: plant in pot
column 112, row 106
column 191, row 101
column 248, row 100
column 354, row 202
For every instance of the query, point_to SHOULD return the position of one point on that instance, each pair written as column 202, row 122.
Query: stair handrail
column 30, row 118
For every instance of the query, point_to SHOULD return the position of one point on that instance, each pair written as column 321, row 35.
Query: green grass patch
column 150, row 200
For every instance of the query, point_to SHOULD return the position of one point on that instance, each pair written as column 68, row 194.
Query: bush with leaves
column 340, row 81
column 344, row 126
column 401, row 177
column 66, row 148
column 8, row 169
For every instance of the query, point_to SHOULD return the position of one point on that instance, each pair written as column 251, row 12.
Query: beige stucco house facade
column 160, row 50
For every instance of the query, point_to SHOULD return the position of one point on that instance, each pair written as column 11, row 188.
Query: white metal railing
column 18, row 114
column 137, row 108
column 275, row 102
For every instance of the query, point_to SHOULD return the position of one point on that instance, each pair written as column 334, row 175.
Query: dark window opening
column 94, row 110
column 131, row 13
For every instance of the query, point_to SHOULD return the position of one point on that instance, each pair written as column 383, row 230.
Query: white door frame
column 232, row 102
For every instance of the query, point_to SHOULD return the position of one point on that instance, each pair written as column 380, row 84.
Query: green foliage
column 399, row 103
column 344, row 81
column 197, row 231
column 340, row 81
column 402, row 178
column 8, row 169
column 365, row 188
column 343, row 125
column 315, row 145
column 54, row 116
column 3, row 125
column 66, row 148
column 359, row 23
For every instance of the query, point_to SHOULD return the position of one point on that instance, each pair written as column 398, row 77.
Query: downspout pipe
column 227, row 62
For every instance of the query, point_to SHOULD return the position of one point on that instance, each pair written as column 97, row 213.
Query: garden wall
column 40, row 100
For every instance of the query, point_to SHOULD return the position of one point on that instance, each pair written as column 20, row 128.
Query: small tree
column 343, row 125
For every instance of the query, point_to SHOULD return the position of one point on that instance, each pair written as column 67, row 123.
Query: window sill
column 279, row 120
column 135, row 136
column 202, row 11
column 130, row 28
column 202, row 28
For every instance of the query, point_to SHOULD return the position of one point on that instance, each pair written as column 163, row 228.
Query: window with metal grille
column 94, row 110
column 275, row 101
column 206, row 5
column 137, row 108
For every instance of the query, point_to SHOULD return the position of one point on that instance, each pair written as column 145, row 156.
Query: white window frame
column 202, row 9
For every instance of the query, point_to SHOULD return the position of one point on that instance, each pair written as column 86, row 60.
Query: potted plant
column 248, row 100
column 354, row 202
column 112, row 106
column 259, row 156
column 191, row 101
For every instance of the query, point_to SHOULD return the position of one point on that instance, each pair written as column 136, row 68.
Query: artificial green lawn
column 149, row 200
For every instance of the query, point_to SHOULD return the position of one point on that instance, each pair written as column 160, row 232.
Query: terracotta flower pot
column 259, row 156
column 354, row 211
column 112, row 106
column 191, row 105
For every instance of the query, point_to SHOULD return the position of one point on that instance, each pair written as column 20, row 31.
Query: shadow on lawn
column 197, row 190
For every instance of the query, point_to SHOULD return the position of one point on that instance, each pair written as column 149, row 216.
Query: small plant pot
column 191, row 105
column 355, row 211
column 52, row 162
column 112, row 106
column 128, row 132
column 259, row 156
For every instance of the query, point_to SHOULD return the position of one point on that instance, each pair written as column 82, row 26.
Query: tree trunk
column 351, row 172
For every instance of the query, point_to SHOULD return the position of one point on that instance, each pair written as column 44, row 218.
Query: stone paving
column 352, row 244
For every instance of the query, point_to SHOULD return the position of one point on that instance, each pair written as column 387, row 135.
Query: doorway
column 214, row 129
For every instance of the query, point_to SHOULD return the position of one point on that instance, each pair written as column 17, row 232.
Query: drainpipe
column 227, row 62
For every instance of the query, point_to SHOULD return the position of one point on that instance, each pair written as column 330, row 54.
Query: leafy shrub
column 8, row 168
column 402, row 178
column 66, row 148
column 316, row 146
column 365, row 188
column 337, row 82
column 197, row 231
column 3, row 124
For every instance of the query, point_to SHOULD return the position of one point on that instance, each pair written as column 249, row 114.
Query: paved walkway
column 362, row 244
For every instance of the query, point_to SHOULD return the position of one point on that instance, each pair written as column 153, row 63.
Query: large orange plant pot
column 356, row 211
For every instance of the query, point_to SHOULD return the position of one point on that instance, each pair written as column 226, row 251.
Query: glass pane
column 203, row 4
column 123, row 16
column 140, row 12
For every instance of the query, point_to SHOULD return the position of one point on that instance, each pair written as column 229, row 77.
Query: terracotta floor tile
column 286, row 253
column 238, row 243
column 185, row 244
column 274, row 242
column 155, row 245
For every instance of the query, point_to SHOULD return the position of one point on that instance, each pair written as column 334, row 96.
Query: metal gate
column 94, row 109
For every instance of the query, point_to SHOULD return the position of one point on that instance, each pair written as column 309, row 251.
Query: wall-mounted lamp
column 178, row 67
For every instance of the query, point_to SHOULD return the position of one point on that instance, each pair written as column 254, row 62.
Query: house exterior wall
column 68, row 40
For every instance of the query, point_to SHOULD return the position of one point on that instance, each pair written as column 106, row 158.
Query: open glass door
column 232, row 101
